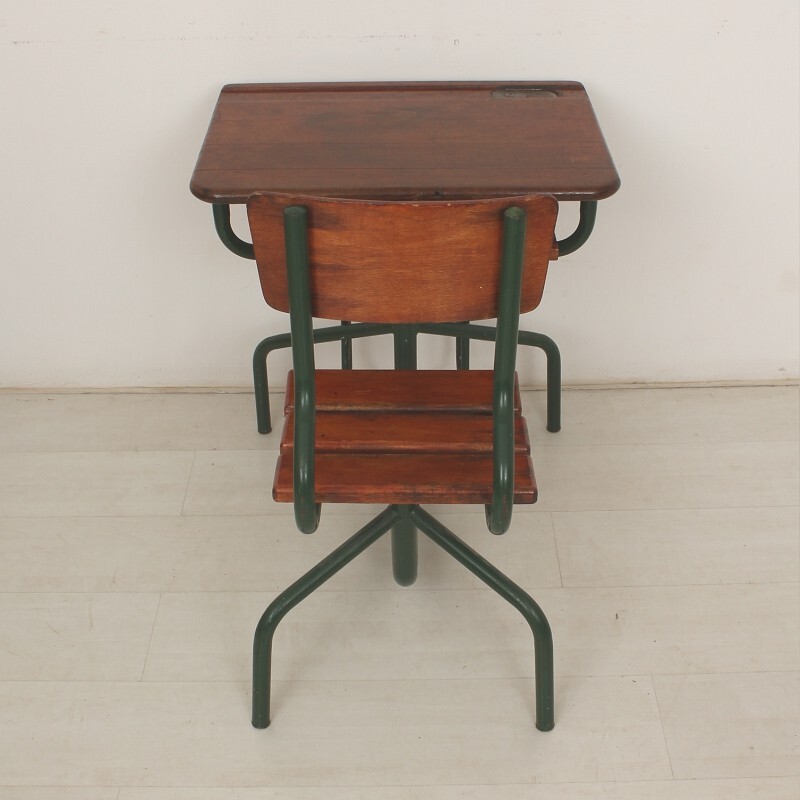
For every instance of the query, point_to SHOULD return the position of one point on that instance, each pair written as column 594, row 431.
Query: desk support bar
column 584, row 230
column 280, row 341
column 222, row 222
column 465, row 331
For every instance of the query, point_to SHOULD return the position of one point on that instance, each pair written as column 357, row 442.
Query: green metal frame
column 498, row 514
column 306, row 511
column 462, row 332
column 298, row 591
column 344, row 333
column 467, row 331
column 450, row 543
column 222, row 223
column 579, row 237
column 403, row 520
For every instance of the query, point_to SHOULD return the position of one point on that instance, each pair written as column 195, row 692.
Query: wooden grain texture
column 405, row 141
column 403, row 390
column 394, row 478
column 398, row 262
column 404, row 432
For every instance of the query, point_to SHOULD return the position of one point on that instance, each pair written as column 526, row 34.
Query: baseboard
column 567, row 387
column 729, row 384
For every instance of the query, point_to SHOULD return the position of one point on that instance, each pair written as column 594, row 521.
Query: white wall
column 111, row 271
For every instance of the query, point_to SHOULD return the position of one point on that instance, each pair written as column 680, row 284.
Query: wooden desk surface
column 404, row 141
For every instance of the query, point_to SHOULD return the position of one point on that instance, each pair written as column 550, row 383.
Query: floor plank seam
column 411, row 679
column 439, row 513
column 661, row 723
column 188, row 483
column 150, row 640
column 391, row 589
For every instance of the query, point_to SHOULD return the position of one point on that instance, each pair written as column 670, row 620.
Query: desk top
column 404, row 141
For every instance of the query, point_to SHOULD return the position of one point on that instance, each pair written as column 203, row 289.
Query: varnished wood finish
column 403, row 390
column 434, row 445
column 404, row 478
column 404, row 432
column 378, row 261
column 405, row 141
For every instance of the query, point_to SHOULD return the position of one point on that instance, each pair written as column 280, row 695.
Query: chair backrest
column 401, row 262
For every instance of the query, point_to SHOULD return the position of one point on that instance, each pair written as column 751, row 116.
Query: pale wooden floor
column 139, row 545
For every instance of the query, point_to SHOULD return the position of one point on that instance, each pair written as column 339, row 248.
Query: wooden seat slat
column 403, row 390
column 404, row 432
column 404, row 478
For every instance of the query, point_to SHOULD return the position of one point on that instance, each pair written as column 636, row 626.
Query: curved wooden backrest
column 399, row 262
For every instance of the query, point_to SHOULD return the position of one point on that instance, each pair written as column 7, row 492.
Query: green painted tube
column 295, row 594
column 512, row 593
column 306, row 511
column 498, row 514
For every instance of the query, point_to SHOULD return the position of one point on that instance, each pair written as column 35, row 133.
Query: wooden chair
column 403, row 438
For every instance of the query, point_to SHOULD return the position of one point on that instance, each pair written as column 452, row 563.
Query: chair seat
column 404, row 437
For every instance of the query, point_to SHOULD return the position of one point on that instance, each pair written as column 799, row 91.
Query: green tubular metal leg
column 553, row 360
column 514, row 594
column 450, row 543
column 296, row 593
column 466, row 331
column 260, row 380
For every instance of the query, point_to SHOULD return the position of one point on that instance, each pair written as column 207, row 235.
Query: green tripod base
column 403, row 521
